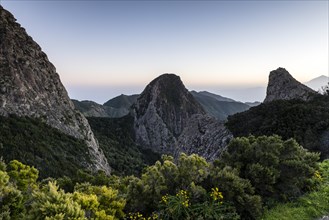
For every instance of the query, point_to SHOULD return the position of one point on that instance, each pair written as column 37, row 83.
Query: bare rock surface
column 282, row 86
column 30, row 86
column 169, row 120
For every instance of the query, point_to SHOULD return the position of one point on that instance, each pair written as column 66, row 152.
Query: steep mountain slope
column 116, row 138
column 33, row 142
column 163, row 120
column 282, row 86
column 294, row 112
column 216, row 107
column 317, row 83
column 30, row 86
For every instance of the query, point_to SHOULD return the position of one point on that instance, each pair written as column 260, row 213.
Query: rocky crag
column 282, row 86
column 30, row 86
column 168, row 120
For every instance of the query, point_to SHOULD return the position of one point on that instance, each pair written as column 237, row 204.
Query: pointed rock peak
column 30, row 86
column 162, row 111
column 283, row 86
column 168, row 92
column 281, row 74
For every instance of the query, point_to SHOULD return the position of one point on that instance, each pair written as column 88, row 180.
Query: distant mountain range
column 215, row 105
column 218, row 106
column 114, row 108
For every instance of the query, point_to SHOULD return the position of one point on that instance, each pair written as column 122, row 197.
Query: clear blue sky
column 104, row 48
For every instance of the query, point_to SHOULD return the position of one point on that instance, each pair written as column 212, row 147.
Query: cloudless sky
column 104, row 48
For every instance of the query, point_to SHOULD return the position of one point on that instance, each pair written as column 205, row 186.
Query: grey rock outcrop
column 30, row 86
column 205, row 136
column 282, row 86
column 169, row 120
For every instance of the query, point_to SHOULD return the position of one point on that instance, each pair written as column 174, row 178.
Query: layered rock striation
column 282, row 86
column 169, row 120
column 30, row 86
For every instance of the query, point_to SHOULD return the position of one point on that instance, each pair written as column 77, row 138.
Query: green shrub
column 278, row 170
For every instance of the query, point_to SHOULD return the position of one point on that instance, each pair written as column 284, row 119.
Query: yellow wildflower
column 318, row 176
column 216, row 194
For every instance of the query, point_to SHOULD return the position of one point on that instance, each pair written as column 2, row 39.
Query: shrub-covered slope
column 116, row 138
column 36, row 143
column 306, row 121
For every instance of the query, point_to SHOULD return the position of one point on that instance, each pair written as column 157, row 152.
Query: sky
column 102, row 49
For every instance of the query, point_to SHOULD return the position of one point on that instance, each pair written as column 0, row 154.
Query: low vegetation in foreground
column 253, row 175
column 312, row 205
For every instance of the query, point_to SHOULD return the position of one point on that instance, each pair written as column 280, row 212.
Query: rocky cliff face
column 168, row 118
column 205, row 136
column 282, row 85
column 30, row 86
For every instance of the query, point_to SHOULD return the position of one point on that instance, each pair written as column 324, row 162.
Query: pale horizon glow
column 102, row 49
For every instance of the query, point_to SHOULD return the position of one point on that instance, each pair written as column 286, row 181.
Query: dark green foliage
column 312, row 205
column 35, row 143
column 116, row 138
column 237, row 190
column 22, row 197
column 278, row 170
column 182, row 189
column 307, row 122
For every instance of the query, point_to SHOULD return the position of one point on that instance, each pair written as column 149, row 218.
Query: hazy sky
column 104, row 48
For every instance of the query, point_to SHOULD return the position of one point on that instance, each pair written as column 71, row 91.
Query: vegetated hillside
column 257, row 173
column 37, row 144
column 116, row 138
column 122, row 101
column 306, row 121
column 217, row 106
column 114, row 108
column 215, row 96
column 93, row 109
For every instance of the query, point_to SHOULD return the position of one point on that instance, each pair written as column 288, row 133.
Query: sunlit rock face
column 30, row 86
column 169, row 120
column 282, row 86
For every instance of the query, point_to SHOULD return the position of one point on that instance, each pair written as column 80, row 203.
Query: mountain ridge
column 30, row 86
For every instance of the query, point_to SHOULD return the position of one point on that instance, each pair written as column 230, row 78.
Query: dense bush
column 278, row 170
column 116, row 138
column 33, row 142
column 312, row 205
column 22, row 197
column 252, row 171
column 307, row 122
